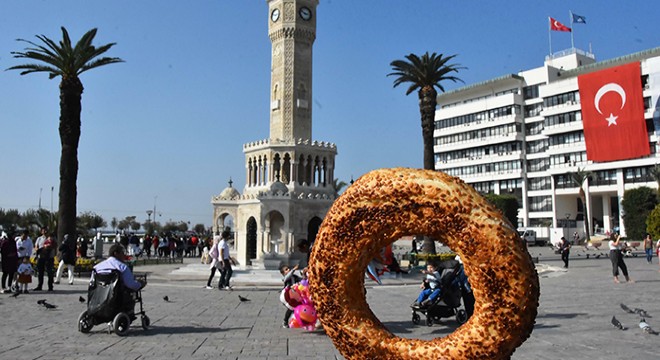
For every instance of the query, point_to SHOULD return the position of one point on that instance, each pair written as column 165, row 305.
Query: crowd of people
column 163, row 245
column 23, row 257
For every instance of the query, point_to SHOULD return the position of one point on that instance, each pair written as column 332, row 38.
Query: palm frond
column 62, row 58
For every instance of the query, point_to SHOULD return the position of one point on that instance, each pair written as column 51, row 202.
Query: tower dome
column 229, row 193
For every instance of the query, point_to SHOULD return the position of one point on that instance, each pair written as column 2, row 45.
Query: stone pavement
column 573, row 322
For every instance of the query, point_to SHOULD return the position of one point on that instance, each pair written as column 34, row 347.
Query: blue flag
column 579, row 19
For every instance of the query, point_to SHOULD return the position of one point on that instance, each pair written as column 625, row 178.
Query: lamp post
column 568, row 216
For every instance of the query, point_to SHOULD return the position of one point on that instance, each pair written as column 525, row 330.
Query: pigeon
column 626, row 309
column 49, row 306
column 81, row 299
column 41, row 302
column 641, row 312
column 166, row 298
column 15, row 295
column 243, row 298
column 617, row 323
column 646, row 327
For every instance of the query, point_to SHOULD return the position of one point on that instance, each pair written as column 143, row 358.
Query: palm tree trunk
column 427, row 104
column 70, row 107
column 583, row 198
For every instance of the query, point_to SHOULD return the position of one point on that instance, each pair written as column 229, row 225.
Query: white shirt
column 223, row 246
column 614, row 247
column 24, row 247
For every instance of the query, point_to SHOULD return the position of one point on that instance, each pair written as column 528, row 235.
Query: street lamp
column 149, row 212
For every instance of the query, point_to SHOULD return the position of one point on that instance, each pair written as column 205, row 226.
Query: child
column 430, row 287
column 289, row 279
column 25, row 272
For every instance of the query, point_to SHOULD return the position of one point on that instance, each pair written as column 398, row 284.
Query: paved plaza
column 573, row 321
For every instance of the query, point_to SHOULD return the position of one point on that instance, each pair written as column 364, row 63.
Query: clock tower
column 289, row 177
column 292, row 31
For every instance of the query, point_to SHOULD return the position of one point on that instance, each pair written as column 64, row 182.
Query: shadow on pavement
column 561, row 316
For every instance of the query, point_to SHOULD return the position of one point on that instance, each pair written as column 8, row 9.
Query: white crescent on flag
column 607, row 88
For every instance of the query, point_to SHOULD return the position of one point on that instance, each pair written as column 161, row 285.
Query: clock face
column 305, row 13
column 275, row 15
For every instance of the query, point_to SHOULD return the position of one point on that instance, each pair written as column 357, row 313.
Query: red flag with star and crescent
column 613, row 114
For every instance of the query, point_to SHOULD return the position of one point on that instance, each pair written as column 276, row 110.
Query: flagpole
column 570, row 15
column 549, row 36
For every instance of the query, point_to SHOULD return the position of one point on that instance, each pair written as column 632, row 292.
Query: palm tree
column 424, row 74
column 69, row 62
column 579, row 179
column 655, row 173
column 337, row 186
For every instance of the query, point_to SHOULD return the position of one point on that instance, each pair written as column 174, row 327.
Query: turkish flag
column 557, row 26
column 613, row 114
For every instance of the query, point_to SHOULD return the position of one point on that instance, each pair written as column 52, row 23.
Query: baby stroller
column 109, row 301
column 448, row 304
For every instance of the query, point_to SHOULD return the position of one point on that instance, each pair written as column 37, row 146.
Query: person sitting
column 430, row 287
column 116, row 262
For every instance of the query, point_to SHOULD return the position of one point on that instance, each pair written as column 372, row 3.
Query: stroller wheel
column 121, row 323
column 415, row 318
column 429, row 321
column 84, row 323
column 461, row 316
column 145, row 322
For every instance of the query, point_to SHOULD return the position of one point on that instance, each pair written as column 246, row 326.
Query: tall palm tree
column 425, row 74
column 63, row 59
column 579, row 179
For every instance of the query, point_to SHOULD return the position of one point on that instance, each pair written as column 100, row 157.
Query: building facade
column 289, row 177
column 522, row 134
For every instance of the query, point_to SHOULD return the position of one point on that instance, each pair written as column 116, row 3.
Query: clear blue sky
column 168, row 125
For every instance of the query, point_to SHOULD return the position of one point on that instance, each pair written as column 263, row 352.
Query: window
column 540, row 203
column 561, row 99
column 542, row 183
column 531, row 92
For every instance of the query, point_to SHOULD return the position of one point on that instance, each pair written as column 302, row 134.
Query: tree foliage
column 653, row 223
column 507, row 204
column 637, row 204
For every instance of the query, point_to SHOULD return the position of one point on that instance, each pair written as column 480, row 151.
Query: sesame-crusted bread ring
column 386, row 204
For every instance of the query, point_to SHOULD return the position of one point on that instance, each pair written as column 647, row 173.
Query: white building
column 523, row 133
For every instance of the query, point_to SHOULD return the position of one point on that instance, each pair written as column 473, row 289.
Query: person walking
column 225, row 269
column 648, row 248
column 214, row 253
column 67, row 259
column 565, row 249
column 9, row 256
column 617, row 259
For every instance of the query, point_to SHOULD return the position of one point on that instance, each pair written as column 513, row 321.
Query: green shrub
column 637, row 204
